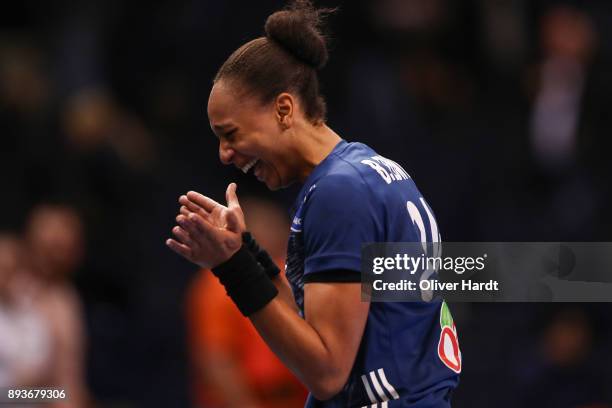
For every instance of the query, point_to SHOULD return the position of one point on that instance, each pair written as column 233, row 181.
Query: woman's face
column 251, row 135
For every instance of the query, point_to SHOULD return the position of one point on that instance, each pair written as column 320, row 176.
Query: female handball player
column 266, row 110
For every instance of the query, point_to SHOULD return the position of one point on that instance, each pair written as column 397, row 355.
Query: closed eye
column 230, row 135
column 220, row 132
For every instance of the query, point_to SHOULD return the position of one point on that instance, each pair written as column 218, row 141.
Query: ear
column 285, row 109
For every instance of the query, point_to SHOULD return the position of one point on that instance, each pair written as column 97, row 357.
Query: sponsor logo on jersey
column 296, row 224
column 448, row 345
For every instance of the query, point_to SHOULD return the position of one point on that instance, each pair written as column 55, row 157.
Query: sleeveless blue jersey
column 409, row 354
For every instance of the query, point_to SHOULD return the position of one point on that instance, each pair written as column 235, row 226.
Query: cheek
column 267, row 128
column 269, row 145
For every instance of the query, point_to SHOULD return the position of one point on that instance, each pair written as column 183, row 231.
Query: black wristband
column 261, row 255
column 245, row 282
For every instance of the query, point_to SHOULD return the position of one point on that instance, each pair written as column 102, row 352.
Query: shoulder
column 61, row 301
column 346, row 172
column 359, row 173
column 343, row 190
column 341, row 197
column 62, row 309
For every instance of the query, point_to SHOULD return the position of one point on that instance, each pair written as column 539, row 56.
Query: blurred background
column 499, row 109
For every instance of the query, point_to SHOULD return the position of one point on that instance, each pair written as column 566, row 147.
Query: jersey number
column 434, row 239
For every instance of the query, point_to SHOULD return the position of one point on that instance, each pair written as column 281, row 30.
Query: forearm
column 284, row 291
column 321, row 349
column 298, row 344
column 271, row 269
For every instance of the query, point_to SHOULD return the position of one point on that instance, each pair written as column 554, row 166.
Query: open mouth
column 245, row 169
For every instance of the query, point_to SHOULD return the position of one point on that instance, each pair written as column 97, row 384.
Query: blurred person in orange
column 55, row 243
column 233, row 366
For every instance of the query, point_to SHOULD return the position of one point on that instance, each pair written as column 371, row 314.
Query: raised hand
column 208, row 233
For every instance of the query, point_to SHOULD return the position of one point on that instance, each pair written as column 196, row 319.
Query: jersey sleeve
column 340, row 216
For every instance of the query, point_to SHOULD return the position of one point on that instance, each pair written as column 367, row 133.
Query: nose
column 226, row 153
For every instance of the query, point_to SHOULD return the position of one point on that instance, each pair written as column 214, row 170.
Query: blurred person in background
column 27, row 141
column 570, row 93
column 94, row 123
column 568, row 40
column 563, row 368
column 55, row 247
column 25, row 339
column 233, row 367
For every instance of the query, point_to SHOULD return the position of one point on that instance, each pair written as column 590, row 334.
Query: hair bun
column 296, row 29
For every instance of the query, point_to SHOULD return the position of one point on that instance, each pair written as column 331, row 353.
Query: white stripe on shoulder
column 366, row 384
column 377, row 387
column 388, row 386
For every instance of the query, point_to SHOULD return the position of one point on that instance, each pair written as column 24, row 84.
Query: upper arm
column 338, row 315
column 66, row 319
column 340, row 217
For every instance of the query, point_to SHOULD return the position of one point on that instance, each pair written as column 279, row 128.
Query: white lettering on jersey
column 387, row 169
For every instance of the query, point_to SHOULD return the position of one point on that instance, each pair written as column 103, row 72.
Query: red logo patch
column 448, row 348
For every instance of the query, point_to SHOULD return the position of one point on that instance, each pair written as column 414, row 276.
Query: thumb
column 233, row 222
column 231, row 197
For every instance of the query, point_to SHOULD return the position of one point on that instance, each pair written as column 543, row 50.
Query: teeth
column 249, row 165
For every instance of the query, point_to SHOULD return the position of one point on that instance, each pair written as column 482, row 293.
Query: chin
column 273, row 186
column 277, row 184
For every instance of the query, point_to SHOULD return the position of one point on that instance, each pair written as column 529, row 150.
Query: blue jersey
column 409, row 354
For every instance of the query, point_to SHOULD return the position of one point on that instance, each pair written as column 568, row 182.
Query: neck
column 313, row 145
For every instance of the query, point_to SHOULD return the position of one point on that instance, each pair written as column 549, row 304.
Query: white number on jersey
column 434, row 238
